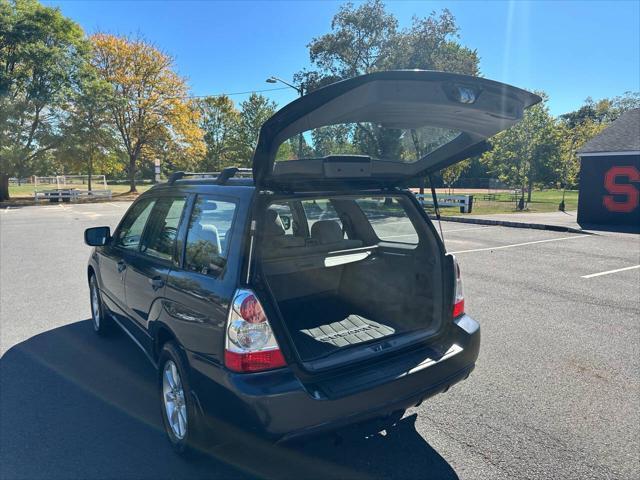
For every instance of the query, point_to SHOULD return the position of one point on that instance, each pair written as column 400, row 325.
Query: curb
column 504, row 223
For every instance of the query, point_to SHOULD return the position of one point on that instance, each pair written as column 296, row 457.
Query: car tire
column 100, row 320
column 180, row 416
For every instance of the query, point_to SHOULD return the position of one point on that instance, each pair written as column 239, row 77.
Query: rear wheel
column 101, row 322
column 179, row 415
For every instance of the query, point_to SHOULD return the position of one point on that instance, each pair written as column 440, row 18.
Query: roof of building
column 623, row 135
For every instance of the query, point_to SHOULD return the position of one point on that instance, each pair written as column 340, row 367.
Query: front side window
column 284, row 218
column 160, row 237
column 208, row 236
column 130, row 232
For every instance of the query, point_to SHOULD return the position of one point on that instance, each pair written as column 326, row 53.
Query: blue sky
column 570, row 49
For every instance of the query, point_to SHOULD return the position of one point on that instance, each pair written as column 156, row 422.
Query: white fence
column 68, row 188
column 464, row 202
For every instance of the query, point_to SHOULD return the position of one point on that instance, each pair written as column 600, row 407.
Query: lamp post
column 300, row 90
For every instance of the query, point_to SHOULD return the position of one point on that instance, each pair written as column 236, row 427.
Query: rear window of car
column 366, row 138
column 160, row 236
column 208, row 236
column 389, row 220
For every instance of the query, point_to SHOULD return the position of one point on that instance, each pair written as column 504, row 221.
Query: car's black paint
column 191, row 309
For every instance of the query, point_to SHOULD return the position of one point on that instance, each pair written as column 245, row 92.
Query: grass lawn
column 541, row 201
column 26, row 191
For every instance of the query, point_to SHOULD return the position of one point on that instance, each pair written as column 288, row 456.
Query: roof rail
column 230, row 172
column 175, row 176
column 219, row 177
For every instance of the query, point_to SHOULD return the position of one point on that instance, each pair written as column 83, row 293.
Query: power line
column 234, row 93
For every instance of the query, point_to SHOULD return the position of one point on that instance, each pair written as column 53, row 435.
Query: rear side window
column 388, row 219
column 207, row 242
column 130, row 232
column 160, row 237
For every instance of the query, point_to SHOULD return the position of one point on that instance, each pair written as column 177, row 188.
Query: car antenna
column 435, row 205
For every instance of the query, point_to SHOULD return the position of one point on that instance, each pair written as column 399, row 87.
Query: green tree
column 41, row 53
column 622, row 103
column 571, row 140
column 253, row 113
column 148, row 106
column 602, row 111
column 577, row 127
column 89, row 137
column 452, row 173
column 528, row 152
column 220, row 122
column 332, row 139
column 366, row 38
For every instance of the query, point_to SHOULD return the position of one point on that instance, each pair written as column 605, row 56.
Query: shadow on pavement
column 73, row 405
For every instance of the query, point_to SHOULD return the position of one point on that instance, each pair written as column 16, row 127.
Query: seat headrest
column 327, row 231
column 209, row 234
column 273, row 225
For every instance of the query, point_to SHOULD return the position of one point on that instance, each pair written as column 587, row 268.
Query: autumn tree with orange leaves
column 149, row 103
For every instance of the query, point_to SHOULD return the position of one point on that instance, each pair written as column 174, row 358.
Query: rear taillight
column 250, row 344
column 458, row 299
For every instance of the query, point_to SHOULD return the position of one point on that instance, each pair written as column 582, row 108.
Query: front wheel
column 102, row 324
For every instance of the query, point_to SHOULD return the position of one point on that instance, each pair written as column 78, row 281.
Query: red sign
column 618, row 181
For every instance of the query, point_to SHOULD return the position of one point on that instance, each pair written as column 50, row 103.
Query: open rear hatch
column 419, row 122
column 347, row 282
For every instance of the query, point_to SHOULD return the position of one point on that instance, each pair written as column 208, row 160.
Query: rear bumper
column 276, row 404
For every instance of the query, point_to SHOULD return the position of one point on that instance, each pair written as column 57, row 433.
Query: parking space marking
column 405, row 235
column 608, row 272
column 470, row 228
column 501, row 247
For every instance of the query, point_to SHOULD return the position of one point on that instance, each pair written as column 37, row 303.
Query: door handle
column 156, row 283
column 121, row 266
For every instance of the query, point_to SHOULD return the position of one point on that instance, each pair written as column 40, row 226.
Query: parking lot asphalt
column 555, row 394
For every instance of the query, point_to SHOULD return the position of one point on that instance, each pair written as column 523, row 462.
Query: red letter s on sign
column 628, row 189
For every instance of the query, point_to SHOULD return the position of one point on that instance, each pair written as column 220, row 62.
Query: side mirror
column 286, row 222
column 97, row 236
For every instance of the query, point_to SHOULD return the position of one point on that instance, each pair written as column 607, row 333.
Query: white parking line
column 611, row 271
column 406, row 235
column 519, row 244
column 470, row 228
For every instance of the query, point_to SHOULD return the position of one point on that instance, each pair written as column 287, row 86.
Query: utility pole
column 300, row 90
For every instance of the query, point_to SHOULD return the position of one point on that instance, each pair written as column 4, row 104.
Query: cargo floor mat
column 324, row 325
column 354, row 329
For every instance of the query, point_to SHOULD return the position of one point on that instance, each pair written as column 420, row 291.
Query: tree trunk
column 4, row 187
column 132, row 174
column 90, row 168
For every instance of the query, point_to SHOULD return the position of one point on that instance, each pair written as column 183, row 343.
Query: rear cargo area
column 337, row 291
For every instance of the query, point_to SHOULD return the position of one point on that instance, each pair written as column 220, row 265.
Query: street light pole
column 300, row 90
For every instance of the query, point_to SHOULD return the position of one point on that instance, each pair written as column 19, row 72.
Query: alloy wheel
column 174, row 400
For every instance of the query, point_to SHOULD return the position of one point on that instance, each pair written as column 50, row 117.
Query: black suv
column 315, row 293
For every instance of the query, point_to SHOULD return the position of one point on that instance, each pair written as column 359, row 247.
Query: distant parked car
column 317, row 293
